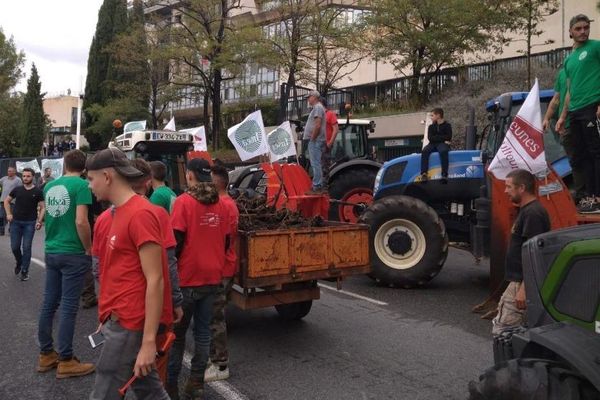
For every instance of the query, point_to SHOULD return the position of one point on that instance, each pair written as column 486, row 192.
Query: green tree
column 101, row 131
column 11, row 106
column 11, row 62
column 141, row 55
column 34, row 121
column 419, row 38
column 208, row 48
column 529, row 15
column 99, row 61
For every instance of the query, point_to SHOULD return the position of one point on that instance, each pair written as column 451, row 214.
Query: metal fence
column 296, row 105
column 398, row 90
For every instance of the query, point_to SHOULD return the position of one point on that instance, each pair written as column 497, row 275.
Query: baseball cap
column 201, row 169
column 314, row 93
column 579, row 18
column 113, row 158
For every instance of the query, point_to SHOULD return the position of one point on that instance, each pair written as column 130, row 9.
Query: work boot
column 424, row 177
column 17, row 269
column 73, row 367
column 47, row 361
column 216, row 373
column 172, row 390
column 194, row 389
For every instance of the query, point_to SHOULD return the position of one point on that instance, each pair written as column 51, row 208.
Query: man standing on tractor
column 439, row 134
column 315, row 134
column 331, row 131
column 582, row 106
column 219, row 355
column 532, row 219
column 568, row 140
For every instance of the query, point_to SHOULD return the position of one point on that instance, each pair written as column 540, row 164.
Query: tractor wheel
column 294, row 311
column 530, row 378
column 408, row 241
column 355, row 186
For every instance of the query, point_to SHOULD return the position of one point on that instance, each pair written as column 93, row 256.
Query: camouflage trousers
column 219, row 355
column 88, row 294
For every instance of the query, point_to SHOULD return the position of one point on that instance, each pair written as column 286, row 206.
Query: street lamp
column 78, row 134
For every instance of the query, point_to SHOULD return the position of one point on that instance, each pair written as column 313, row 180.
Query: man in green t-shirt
column 582, row 106
column 68, row 246
column 162, row 195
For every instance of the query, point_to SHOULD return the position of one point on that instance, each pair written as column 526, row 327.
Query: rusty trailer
column 281, row 268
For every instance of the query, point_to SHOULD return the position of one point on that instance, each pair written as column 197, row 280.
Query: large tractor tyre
column 354, row 187
column 530, row 378
column 294, row 311
column 408, row 241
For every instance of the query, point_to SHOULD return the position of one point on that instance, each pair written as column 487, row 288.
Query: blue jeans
column 315, row 151
column 197, row 304
column 65, row 274
column 21, row 233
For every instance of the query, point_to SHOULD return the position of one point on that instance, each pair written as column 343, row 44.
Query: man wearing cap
column 201, row 224
column 135, row 305
column 67, row 246
column 315, row 135
column 582, row 106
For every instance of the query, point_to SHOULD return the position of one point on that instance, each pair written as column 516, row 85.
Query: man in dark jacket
column 439, row 135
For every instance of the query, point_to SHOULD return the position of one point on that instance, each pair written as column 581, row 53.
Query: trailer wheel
column 353, row 186
column 294, row 311
column 408, row 241
column 521, row 379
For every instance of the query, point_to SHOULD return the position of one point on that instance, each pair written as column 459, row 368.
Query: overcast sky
column 56, row 36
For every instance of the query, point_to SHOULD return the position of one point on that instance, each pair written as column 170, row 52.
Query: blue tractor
column 412, row 222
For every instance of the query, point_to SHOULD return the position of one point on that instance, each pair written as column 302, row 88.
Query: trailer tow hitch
column 362, row 206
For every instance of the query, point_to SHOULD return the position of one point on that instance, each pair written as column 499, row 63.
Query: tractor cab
column 154, row 145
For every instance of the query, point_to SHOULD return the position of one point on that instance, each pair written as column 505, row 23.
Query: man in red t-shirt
column 201, row 224
column 218, row 368
column 135, row 303
column 331, row 131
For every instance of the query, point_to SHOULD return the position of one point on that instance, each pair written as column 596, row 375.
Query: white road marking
column 226, row 390
column 355, row 295
column 38, row 262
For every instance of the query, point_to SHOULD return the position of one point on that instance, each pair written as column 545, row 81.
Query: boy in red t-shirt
column 219, row 356
column 135, row 303
column 201, row 224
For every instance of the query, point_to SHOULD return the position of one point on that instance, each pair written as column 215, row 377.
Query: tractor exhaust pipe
column 471, row 131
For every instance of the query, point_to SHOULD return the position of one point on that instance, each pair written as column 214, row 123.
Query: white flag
column 199, row 137
column 523, row 145
column 249, row 137
column 33, row 164
column 55, row 164
column 134, row 126
column 171, row 125
column 281, row 142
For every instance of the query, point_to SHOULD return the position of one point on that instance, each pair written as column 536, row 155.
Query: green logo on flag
column 279, row 141
column 249, row 136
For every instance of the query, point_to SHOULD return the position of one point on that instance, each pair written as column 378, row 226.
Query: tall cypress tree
column 33, row 118
column 113, row 75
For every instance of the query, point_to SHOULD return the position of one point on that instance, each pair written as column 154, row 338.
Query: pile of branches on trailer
column 257, row 215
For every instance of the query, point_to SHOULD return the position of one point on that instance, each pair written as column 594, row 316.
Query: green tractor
column 558, row 356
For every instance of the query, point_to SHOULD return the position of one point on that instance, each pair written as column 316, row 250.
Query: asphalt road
column 387, row 344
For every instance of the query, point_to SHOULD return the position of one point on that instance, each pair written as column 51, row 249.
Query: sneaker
column 444, row 180
column 588, row 205
column 216, row 373
column 47, row 361
column 18, row 269
column 72, row 368
column 24, row 276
